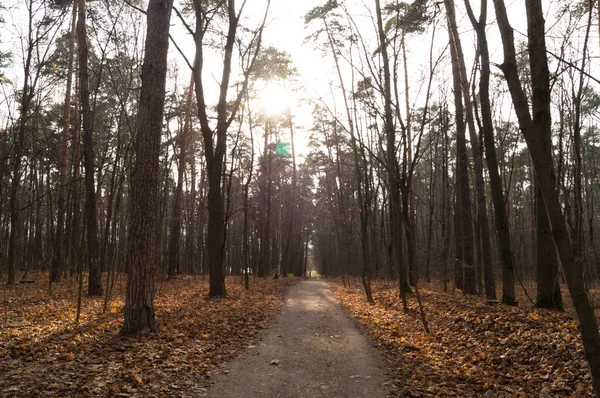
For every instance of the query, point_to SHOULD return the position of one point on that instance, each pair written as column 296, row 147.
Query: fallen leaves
column 476, row 349
column 42, row 350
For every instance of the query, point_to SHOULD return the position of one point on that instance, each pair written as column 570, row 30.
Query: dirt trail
column 321, row 353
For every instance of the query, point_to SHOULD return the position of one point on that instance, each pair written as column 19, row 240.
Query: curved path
column 311, row 350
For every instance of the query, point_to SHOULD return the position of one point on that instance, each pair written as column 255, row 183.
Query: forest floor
column 313, row 349
column 43, row 353
column 476, row 348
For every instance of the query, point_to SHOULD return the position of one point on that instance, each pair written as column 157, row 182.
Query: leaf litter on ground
column 44, row 353
column 476, row 348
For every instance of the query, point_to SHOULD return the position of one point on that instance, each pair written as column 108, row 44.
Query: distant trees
column 474, row 251
column 42, row 26
column 176, row 222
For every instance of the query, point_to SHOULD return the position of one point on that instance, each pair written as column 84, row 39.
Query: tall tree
column 578, row 188
column 548, row 289
column 360, row 173
column 215, row 139
column 41, row 26
column 465, row 267
column 139, row 300
column 542, row 162
column 501, row 217
column 91, row 212
column 26, row 97
column 58, row 257
column 393, row 168
column 484, row 242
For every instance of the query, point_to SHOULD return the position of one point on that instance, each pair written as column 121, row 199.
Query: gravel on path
column 312, row 350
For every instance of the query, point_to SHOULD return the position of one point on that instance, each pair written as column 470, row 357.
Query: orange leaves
column 42, row 350
column 534, row 316
column 476, row 349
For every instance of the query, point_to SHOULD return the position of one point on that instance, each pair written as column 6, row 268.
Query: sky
column 286, row 31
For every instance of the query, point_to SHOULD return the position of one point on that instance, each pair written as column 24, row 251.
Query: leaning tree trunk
column 139, row 303
column 362, row 188
column 542, row 162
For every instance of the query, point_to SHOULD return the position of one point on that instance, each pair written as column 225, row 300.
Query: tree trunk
column 548, row 289
column 501, row 217
column 191, row 258
column 175, row 237
column 214, row 152
column 362, row 189
column 91, row 216
column 542, row 161
column 408, row 207
column 482, row 214
column 465, row 272
column 264, row 265
column 139, row 303
column 25, row 102
column 393, row 170
column 58, row 258
column 578, row 188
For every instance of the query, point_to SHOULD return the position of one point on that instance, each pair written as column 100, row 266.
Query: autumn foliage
column 476, row 348
column 42, row 350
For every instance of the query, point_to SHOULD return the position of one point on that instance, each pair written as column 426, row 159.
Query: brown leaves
column 42, row 349
column 476, row 348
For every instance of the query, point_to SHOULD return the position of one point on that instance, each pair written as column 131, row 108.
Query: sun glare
column 274, row 98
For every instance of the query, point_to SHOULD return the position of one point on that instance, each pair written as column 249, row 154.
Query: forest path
column 321, row 353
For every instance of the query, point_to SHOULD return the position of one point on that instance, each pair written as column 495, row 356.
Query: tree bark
column 58, row 257
column 548, row 289
column 139, row 303
column 393, row 169
column 482, row 215
column 91, row 216
column 501, row 217
column 542, row 161
column 215, row 140
column 465, row 272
